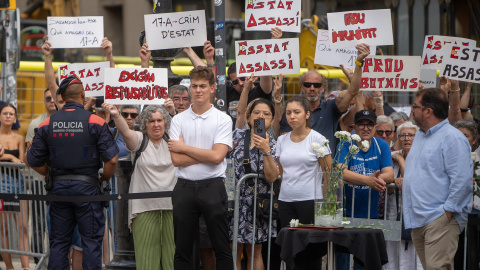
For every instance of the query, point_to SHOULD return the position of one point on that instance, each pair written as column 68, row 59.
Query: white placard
column 429, row 77
column 261, row 15
column 91, row 74
column 347, row 29
column 175, row 30
column 136, row 85
column 433, row 49
column 75, row 32
column 324, row 55
column 461, row 63
column 267, row 57
column 391, row 73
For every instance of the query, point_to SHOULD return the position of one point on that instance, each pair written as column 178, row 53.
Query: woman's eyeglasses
column 404, row 137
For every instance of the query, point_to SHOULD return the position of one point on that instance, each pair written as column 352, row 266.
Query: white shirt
column 302, row 174
column 202, row 131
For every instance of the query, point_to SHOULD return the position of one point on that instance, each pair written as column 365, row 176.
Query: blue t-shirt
column 376, row 158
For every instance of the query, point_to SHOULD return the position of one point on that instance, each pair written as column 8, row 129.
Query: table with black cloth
column 305, row 248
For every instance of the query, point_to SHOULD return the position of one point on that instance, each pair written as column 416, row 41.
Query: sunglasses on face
column 48, row 99
column 380, row 132
column 132, row 115
column 309, row 84
column 235, row 82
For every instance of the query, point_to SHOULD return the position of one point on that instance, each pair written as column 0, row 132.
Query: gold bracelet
column 358, row 63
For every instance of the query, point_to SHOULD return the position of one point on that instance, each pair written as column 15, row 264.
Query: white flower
column 365, row 145
column 356, row 138
column 321, row 151
column 296, row 222
column 474, row 156
column 315, row 146
column 326, row 142
column 292, row 223
column 354, row 149
column 338, row 134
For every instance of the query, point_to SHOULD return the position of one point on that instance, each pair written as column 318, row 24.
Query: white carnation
column 354, row 149
column 321, row 151
column 315, row 146
column 356, row 138
column 474, row 156
column 326, row 142
column 365, row 145
column 338, row 134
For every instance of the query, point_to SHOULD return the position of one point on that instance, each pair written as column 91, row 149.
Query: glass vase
column 329, row 208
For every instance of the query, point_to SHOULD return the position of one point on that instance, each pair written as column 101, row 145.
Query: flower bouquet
column 329, row 209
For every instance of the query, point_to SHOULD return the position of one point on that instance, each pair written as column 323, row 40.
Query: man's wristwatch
column 266, row 154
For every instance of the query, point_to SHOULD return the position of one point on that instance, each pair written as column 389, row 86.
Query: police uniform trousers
column 63, row 217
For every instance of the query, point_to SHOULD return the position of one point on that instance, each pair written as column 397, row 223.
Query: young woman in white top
column 300, row 167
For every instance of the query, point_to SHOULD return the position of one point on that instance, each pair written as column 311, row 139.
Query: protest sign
column 136, row 85
column 175, row 30
column 91, row 74
column 461, row 63
column 263, row 15
column 75, row 32
column 434, row 49
column 267, row 57
column 428, row 77
column 347, row 29
column 324, row 55
column 391, row 73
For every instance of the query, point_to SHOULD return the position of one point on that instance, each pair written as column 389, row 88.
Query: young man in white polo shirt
column 200, row 138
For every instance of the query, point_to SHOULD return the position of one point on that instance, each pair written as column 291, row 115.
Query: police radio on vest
column 65, row 124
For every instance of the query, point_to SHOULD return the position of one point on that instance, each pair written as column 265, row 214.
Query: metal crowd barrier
column 236, row 218
column 23, row 229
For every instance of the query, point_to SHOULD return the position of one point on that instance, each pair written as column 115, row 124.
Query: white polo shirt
column 202, row 131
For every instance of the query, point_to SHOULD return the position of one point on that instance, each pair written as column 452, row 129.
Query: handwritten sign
column 324, row 55
column 461, row 63
column 75, row 32
column 391, row 73
column 263, row 15
column 429, row 77
column 267, row 57
column 91, row 74
column 175, row 30
column 136, row 85
column 347, row 29
column 433, row 49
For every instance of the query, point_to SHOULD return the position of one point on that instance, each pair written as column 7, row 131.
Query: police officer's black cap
column 366, row 115
column 72, row 79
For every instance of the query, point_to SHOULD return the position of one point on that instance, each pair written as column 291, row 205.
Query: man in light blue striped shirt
column 437, row 185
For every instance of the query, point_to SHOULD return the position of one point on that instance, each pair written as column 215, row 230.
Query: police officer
column 74, row 142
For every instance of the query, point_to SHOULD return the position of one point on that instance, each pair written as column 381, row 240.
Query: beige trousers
column 436, row 243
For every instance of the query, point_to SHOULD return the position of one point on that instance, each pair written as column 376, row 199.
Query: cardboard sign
column 324, row 55
column 461, row 63
column 91, row 75
column 75, row 32
column 263, row 15
column 136, row 85
column 267, row 57
column 391, row 73
column 347, row 29
column 175, row 30
column 429, row 77
column 434, row 49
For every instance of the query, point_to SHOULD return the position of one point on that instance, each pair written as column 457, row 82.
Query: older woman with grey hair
column 151, row 221
column 385, row 129
column 406, row 132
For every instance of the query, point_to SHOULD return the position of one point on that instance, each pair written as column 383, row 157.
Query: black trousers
column 190, row 199
column 301, row 210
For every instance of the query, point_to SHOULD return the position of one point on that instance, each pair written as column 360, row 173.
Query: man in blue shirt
column 437, row 184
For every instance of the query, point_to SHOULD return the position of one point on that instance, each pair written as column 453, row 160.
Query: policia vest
column 70, row 143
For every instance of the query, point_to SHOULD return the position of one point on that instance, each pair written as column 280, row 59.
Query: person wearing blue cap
column 71, row 145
